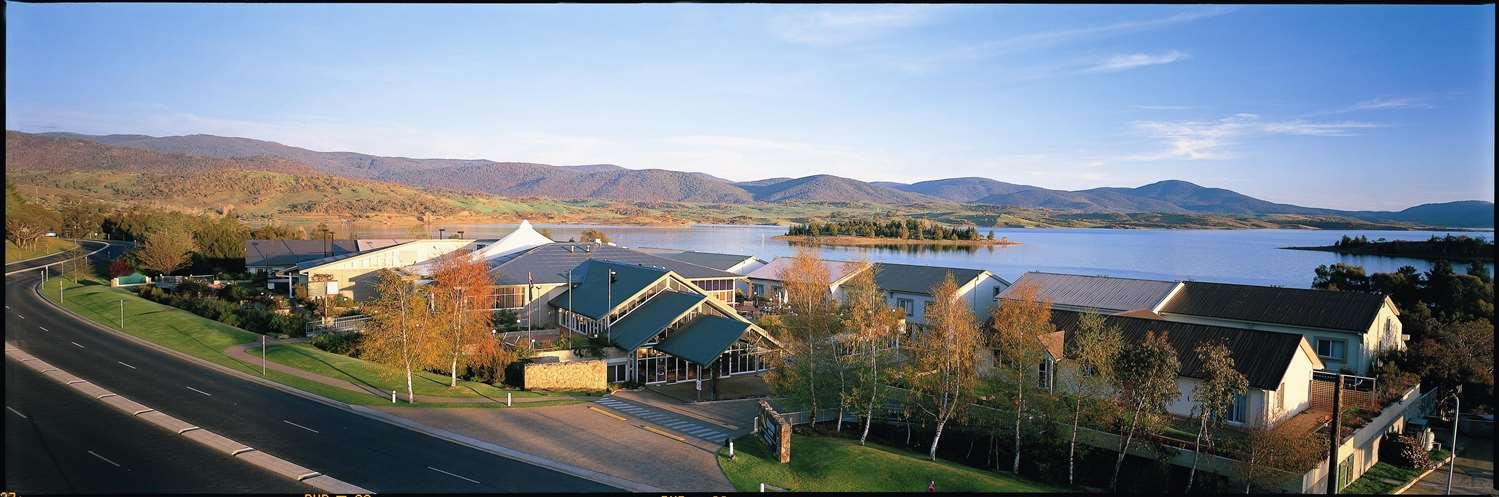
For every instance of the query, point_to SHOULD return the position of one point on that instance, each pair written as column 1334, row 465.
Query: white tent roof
column 522, row 238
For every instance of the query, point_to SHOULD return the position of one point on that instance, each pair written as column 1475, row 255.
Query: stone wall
column 588, row 375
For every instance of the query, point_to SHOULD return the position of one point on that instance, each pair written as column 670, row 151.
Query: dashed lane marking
column 299, row 426
column 105, row 459
column 126, row 365
column 199, row 391
column 18, row 413
column 455, row 475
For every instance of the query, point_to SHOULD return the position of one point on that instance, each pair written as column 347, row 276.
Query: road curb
column 1450, row 460
column 197, row 435
column 397, row 421
column 79, row 242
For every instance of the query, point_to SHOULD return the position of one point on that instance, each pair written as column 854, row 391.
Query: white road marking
column 453, row 475
column 199, row 391
column 105, row 459
column 18, row 413
column 77, row 345
column 22, row 316
column 43, row 328
column 299, row 426
column 126, row 365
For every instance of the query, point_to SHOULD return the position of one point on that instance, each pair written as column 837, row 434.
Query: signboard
column 770, row 434
column 774, row 432
column 332, row 288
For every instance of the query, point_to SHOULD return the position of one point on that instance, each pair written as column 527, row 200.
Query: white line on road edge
column 22, row 316
column 299, row 426
column 126, row 365
column 453, row 475
column 199, row 391
column 43, row 328
column 106, row 459
column 18, row 413
column 79, row 346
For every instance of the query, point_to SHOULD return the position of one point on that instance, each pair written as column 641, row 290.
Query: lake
column 1232, row 256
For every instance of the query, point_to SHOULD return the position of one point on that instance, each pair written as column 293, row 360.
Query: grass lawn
column 1375, row 481
column 830, row 464
column 44, row 246
column 308, row 358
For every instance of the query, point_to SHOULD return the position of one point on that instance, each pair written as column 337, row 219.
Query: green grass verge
column 308, row 358
column 206, row 339
column 829, row 464
column 45, row 246
column 1382, row 478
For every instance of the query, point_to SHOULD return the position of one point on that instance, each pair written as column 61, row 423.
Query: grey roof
column 548, row 264
column 704, row 339
column 364, row 244
column 651, row 317
column 837, row 270
column 1103, row 293
column 906, row 278
column 1262, row 356
column 722, row 262
column 1347, row 311
column 592, row 297
column 291, row 252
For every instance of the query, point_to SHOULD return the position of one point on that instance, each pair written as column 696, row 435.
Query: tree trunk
column 410, row 389
column 1197, row 451
column 874, row 393
column 1019, row 409
column 1072, row 446
column 1123, row 449
column 935, row 438
column 453, row 379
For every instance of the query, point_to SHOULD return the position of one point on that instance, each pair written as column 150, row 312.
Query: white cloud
column 1381, row 103
column 1134, row 61
column 848, row 24
column 1211, row 140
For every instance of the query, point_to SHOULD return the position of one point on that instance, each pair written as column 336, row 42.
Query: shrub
column 120, row 267
column 338, row 343
column 1405, row 450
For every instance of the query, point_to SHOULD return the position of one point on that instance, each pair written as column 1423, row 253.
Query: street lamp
column 1456, row 419
column 441, row 233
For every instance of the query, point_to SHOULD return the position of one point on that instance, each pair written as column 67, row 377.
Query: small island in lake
column 1455, row 248
column 892, row 232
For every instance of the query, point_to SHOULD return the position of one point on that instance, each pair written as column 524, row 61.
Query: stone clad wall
column 577, row 375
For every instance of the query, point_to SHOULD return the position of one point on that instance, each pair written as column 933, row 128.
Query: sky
column 1351, row 107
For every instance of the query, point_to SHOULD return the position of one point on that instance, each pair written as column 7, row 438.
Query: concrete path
column 671, row 421
column 1473, row 475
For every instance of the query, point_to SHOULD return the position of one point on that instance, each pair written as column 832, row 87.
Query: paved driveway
column 1473, row 474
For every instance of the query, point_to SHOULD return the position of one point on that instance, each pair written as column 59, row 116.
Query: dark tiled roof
column 1104, row 293
column 721, row 262
column 590, row 292
column 549, row 263
column 290, row 252
column 906, row 278
column 651, row 317
column 1347, row 311
column 702, row 340
column 1262, row 356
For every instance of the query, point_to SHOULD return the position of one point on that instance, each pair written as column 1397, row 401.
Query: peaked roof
column 651, row 317
column 592, row 297
column 549, row 263
column 721, row 262
column 1104, row 293
column 524, row 237
column 919, row 280
column 1346, row 311
column 702, row 340
column 1262, row 356
column 290, row 252
column 837, row 270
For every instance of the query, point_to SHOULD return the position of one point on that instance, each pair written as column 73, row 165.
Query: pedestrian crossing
column 667, row 420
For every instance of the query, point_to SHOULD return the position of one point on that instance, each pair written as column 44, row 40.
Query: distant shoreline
column 1376, row 252
column 865, row 241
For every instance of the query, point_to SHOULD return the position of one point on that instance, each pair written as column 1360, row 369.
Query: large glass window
column 1238, row 413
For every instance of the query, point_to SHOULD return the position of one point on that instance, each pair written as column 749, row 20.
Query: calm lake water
column 1233, row 256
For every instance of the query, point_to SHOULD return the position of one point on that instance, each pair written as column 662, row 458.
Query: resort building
column 907, row 287
column 271, row 256
column 766, row 281
column 741, row 265
column 1345, row 329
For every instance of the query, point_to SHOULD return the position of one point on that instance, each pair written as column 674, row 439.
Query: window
column 1044, row 378
column 1239, row 412
column 616, row 373
column 1332, row 349
column 759, row 289
column 907, row 304
column 1345, row 471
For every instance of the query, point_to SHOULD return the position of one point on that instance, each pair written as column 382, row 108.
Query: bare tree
column 870, row 325
column 1145, row 378
column 1269, row 452
column 461, row 290
column 1017, row 325
column 1214, row 395
column 398, row 334
column 943, row 369
column 1093, row 351
column 808, row 328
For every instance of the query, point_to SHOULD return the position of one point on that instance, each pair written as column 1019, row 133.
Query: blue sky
column 1364, row 107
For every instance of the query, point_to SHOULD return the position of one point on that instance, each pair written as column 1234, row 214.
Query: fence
column 346, row 324
column 1358, row 391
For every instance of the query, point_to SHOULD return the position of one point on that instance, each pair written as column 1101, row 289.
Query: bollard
column 731, row 448
column 392, row 396
column 762, row 487
column 507, row 399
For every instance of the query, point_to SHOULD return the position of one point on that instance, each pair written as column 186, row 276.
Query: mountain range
column 613, row 182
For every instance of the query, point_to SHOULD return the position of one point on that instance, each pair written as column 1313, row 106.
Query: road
column 57, row 440
column 353, row 448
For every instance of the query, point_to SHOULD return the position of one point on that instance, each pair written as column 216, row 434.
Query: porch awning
column 701, row 341
column 651, row 317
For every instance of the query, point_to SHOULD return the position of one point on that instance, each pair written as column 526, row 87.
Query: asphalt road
column 359, row 450
column 58, row 440
column 87, row 246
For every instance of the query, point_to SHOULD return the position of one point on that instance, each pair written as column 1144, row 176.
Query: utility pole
column 1337, row 426
column 1456, row 418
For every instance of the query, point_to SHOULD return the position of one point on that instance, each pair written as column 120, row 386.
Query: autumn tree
column 398, row 333
column 461, row 288
column 1093, row 352
column 800, row 370
column 1145, row 379
column 942, row 370
column 1214, row 395
column 1268, row 453
column 870, row 325
column 1016, row 327
column 165, row 250
column 592, row 234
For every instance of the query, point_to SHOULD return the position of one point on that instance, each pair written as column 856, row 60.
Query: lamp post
column 441, row 232
column 1456, row 419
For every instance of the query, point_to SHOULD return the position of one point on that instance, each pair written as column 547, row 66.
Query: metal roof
column 291, row 252
column 1262, row 356
column 548, row 264
column 704, row 339
column 837, row 270
column 722, row 262
column 906, row 278
column 1346, row 311
column 651, row 317
column 592, row 297
column 1104, row 293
